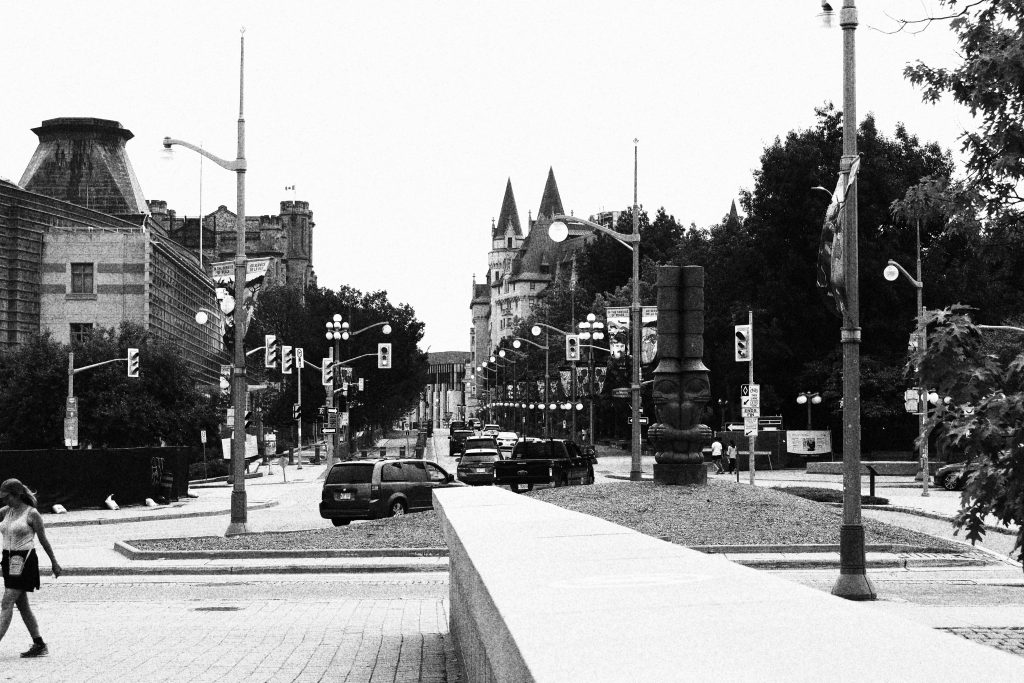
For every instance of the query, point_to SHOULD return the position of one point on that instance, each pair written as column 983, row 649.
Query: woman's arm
column 35, row 520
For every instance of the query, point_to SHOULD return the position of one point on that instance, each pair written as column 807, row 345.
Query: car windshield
column 480, row 443
column 351, row 473
column 492, row 427
column 479, row 457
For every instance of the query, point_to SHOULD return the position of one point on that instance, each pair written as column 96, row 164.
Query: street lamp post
column 516, row 343
column 336, row 331
column 239, row 513
column 808, row 398
column 891, row 273
column 592, row 328
column 853, row 582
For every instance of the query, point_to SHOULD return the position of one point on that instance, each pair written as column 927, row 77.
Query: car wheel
column 397, row 508
column 951, row 482
column 339, row 522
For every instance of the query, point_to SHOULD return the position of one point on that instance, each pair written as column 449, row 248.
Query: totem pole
column 681, row 384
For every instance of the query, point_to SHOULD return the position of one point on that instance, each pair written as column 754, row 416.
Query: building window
column 80, row 332
column 509, row 242
column 82, row 278
column 533, row 286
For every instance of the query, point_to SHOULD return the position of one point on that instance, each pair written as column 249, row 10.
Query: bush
column 829, row 495
column 215, row 467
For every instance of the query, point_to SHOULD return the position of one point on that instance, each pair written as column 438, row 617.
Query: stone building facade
column 79, row 250
column 519, row 267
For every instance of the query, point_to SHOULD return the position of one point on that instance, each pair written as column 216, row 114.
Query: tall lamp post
column 853, row 582
column 591, row 328
column 891, row 273
column 518, row 342
column 558, row 231
column 484, row 369
column 808, row 398
column 239, row 513
column 516, row 398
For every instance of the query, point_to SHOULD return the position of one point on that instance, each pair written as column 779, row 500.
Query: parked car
column 953, row 477
column 506, row 442
column 371, row 489
column 491, row 430
column 476, row 466
column 456, row 439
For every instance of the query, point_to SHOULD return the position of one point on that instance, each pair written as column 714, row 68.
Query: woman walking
column 20, row 523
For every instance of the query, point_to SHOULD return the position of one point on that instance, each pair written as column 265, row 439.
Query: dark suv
column 457, row 440
column 381, row 488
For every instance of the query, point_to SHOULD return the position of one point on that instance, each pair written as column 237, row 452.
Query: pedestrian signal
column 133, row 362
column 744, row 348
column 327, row 370
column 912, row 400
column 572, row 347
column 296, row 411
column 287, row 359
column 248, row 419
column 271, row 351
column 384, row 356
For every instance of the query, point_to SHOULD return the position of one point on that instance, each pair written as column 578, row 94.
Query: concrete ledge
column 541, row 593
column 892, row 468
column 131, row 552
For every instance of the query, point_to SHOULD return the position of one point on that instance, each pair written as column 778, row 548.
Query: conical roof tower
column 551, row 201
column 508, row 217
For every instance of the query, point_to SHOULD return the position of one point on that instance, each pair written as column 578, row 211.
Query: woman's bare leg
column 27, row 616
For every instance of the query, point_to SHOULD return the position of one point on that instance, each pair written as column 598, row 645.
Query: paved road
column 266, row 628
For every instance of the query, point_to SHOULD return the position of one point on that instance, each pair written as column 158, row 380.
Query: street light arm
column 914, row 281
column 1000, row 327
column 236, row 165
column 553, row 329
column 625, row 239
column 544, row 348
column 349, row 360
column 368, row 327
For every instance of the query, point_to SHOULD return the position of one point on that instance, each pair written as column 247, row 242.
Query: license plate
column 480, row 470
column 346, row 495
column 522, row 487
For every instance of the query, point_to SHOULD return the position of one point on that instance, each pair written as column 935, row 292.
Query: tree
column 980, row 376
column 162, row 405
column 987, row 81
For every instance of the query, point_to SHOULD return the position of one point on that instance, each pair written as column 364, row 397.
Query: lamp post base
column 239, row 522
column 853, row 582
column 636, row 476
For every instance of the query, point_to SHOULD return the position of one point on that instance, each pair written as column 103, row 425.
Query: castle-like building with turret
column 519, row 267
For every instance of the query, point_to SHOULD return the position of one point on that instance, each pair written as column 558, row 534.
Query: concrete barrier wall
column 540, row 593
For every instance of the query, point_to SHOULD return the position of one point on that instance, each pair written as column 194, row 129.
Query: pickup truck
column 545, row 462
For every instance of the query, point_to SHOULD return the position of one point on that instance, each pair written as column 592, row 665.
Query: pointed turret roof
column 509, row 215
column 734, row 217
column 551, row 202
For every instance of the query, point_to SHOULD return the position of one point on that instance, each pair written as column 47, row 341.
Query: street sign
column 643, row 420
column 328, row 430
column 202, row 436
column 750, row 426
column 71, row 431
column 750, row 400
column 620, row 392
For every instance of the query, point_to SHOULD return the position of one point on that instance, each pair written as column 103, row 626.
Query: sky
column 400, row 122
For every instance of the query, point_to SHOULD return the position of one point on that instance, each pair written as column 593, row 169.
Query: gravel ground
column 722, row 513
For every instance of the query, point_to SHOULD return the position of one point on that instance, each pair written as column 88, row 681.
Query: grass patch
column 823, row 495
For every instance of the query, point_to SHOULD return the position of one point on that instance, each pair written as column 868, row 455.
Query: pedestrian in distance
column 718, row 456
column 730, row 452
column 20, row 524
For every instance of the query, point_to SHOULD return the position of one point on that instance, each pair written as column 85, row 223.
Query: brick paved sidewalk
column 264, row 640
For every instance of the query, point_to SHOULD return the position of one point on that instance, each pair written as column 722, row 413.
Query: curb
column 133, row 553
column 155, row 517
column 816, row 548
column 207, row 570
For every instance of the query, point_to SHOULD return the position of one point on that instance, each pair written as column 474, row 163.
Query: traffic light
column 296, row 411
column 744, row 349
column 912, row 400
column 287, row 359
column 271, row 351
column 327, row 370
column 248, row 420
column 133, row 362
column 572, row 347
column 384, row 356
column 360, row 384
